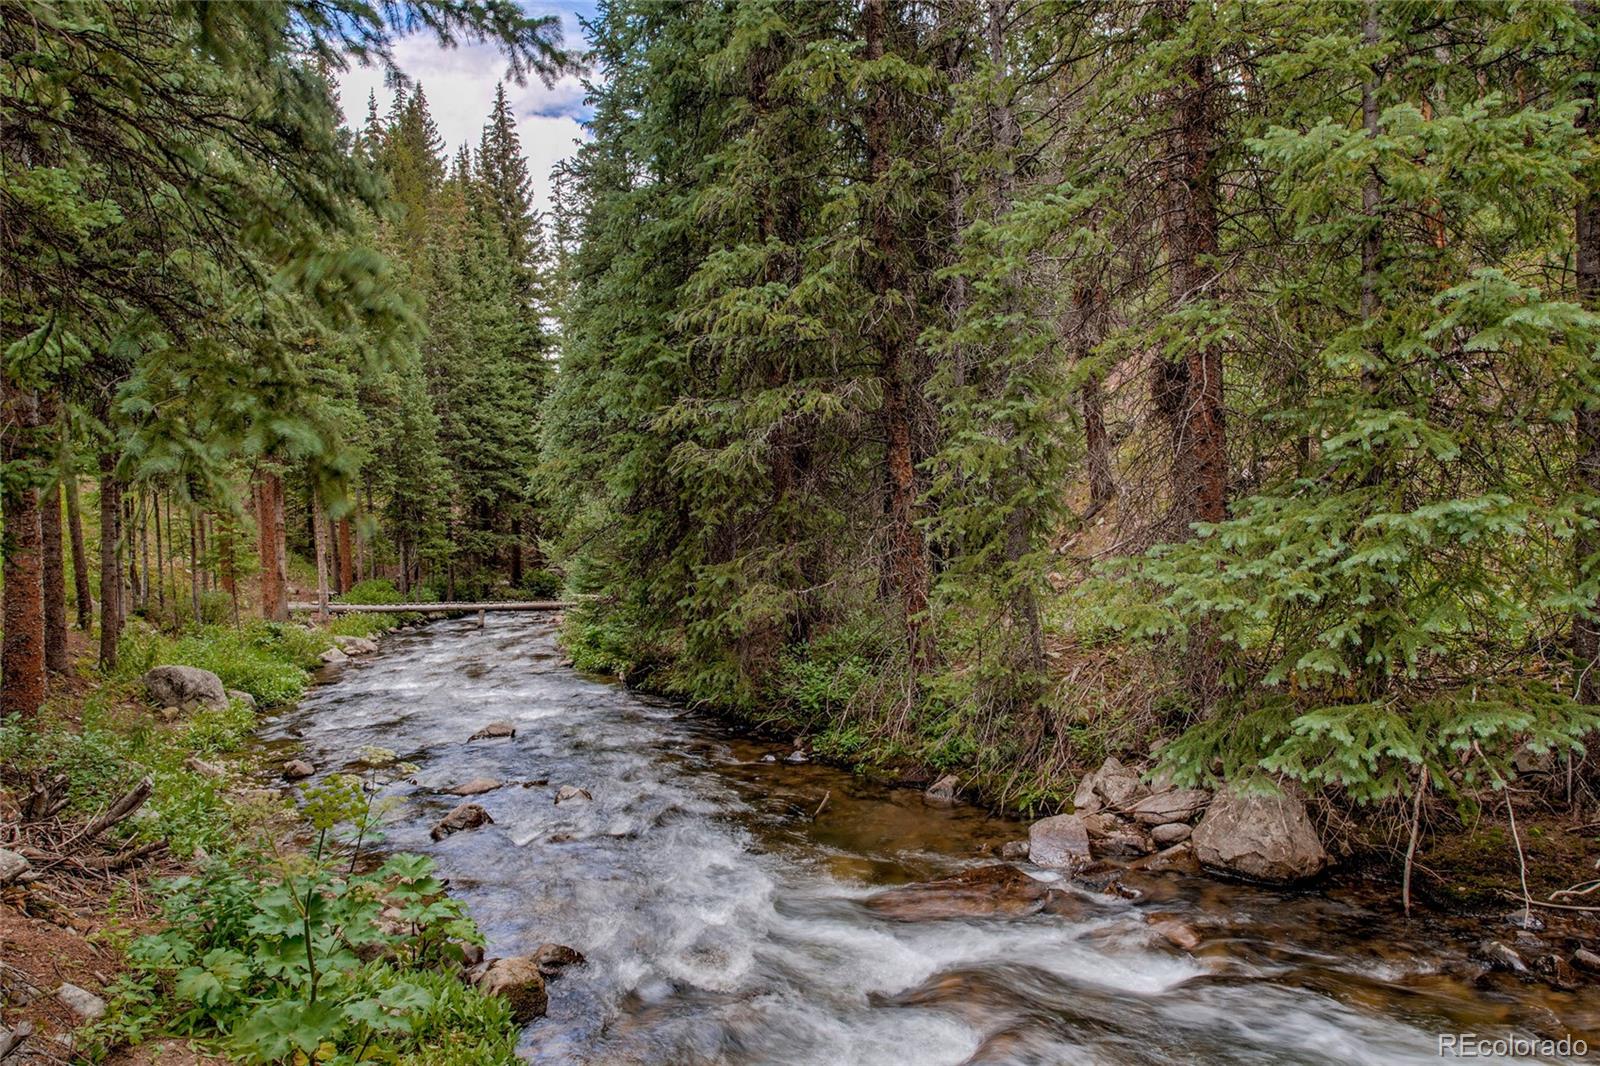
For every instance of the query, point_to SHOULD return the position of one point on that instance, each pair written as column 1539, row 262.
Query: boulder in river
column 1178, row 934
column 1175, row 805
column 518, row 981
column 1586, row 960
column 942, row 793
column 476, row 787
column 1014, row 850
column 1061, row 842
column 995, row 891
column 184, row 686
column 464, row 816
column 333, row 656
column 572, row 794
column 1500, row 957
column 1259, row 836
column 553, row 958
column 495, row 729
column 296, row 769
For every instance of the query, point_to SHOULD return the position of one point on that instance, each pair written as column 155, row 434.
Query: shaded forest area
column 982, row 386
column 992, row 386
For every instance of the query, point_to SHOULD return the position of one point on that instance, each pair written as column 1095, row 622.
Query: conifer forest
column 1165, row 432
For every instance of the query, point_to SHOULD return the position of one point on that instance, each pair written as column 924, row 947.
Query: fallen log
column 125, row 805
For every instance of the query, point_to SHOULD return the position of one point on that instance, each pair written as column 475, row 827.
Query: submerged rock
column 476, row 787
column 1061, row 842
column 996, row 891
column 296, row 769
column 942, row 793
column 518, row 981
column 1178, row 934
column 494, row 729
column 1260, row 837
column 1014, row 850
column 463, row 817
column 184, row 686
column 572, row 794
column 553, row 958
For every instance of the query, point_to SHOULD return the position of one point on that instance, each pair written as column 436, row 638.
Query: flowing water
column 719, row 899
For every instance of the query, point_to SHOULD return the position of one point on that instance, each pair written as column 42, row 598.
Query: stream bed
column 723, row 920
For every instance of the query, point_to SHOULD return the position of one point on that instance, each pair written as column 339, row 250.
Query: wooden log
column 436, row 608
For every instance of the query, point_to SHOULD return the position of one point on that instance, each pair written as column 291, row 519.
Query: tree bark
column 22, row 664
column 1189, row 393
column 196, row 608
column 80, row 557
column 270, row 519
column 110, row 572
column 55, row 582
column 1586, row 625
column 346, row 558
column 907, row 554
column 319, row 531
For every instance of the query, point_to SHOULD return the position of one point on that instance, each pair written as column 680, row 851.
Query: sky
column 459, row 83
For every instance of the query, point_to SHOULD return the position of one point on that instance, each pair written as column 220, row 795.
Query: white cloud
column 460, row 84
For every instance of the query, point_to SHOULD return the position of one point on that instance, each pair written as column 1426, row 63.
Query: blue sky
column 460, row 82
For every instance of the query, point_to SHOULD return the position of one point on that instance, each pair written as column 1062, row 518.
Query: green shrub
column 541, row 585
column 291, row 962
column 377, row 590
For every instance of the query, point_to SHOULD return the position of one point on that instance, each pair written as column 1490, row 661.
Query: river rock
column 1554, row 969
column 1086, row 800
column 995, row 891
column 476, row 787
column 572, row 794
column 551, row 959
column 518, row 981
column 1179, row 857
column 297, row 769
column 82, row 1002
column 356, row 645
column 1586, row 960
column 1014, row 850
column 942, row 793
column 184, row 686
column 1178, row 934
column 200, row 766
column 464, row 816
column 12, row 866
column 1172, row 833
column 333, row 657
column 1500, row 957
column 239, row 695
column 1260, row 837
column 1061, row 842
column 1118, row 785
column 494, row 729
column 1177, row 805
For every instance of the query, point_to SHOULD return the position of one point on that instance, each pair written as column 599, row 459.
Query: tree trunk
column 110, row 572
column 269, row 519
column 227, row 546
column 22, row 665
column 906, row 555
column 195, row 606
column 55, row 582
column 1586, row 626
column 347, row 563
column 1190, row 392
column 162, row 548
column 129, row 543
column 80, row 557
column 319, row 536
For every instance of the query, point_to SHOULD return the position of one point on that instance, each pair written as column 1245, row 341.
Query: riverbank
column 226, row 910
column 1526, row 850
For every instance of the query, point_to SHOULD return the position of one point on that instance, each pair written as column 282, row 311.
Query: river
column 722, row 914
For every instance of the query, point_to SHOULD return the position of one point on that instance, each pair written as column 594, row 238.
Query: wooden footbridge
column 453, row 607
